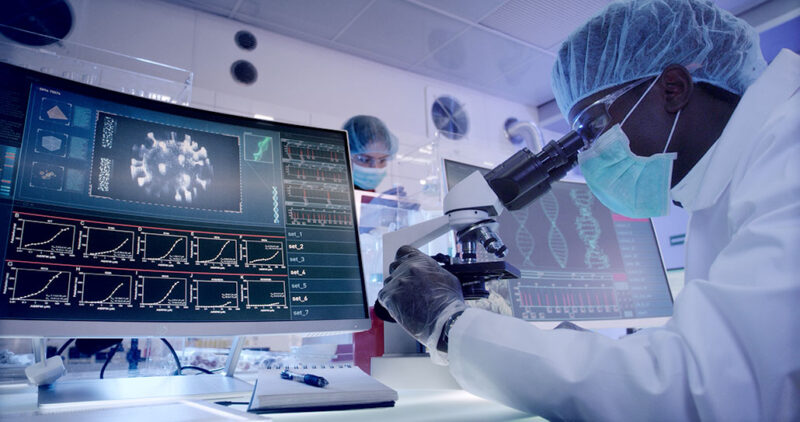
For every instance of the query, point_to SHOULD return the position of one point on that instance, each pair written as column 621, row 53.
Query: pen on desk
column 309, row 379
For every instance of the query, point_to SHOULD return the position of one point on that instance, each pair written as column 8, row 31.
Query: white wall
column 297, row 82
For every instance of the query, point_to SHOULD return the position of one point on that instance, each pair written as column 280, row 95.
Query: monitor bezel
column 655, row 321
column 18, row 327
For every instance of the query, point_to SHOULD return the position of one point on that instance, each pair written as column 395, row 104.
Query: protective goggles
column 371, row 161
column 593, row 120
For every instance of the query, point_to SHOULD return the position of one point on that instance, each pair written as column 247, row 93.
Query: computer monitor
column 578, row 261
column 122, row 216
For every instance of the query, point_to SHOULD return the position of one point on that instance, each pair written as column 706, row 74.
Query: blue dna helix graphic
column 523, row 238
column 588, row 229
column 555, row 239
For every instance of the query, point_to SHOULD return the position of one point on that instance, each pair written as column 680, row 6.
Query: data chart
column 536, row 301
column 215, row 251
column 213, row 294
column 319, row 216
column 308, row 193
column 160, row 247
column 39, row 285
column 263, row 253
column 164, row 291
column 109, row 243
column 106, row 289
column 47, row 236
column 300, row 150
column 265, row 293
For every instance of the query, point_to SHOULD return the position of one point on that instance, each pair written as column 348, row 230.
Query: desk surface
column 420, row 405
column 414, row 404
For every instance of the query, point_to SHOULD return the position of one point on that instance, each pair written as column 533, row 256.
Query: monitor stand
column 114, row 391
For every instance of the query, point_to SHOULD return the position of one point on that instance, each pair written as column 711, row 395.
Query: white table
column 413, row 405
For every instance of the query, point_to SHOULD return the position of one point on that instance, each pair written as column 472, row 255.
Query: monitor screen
column 578, row 260
column 127, row 216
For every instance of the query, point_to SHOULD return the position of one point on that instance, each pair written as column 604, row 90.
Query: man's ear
column 677, row 84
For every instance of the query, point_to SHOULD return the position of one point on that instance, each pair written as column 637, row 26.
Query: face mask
column 368, row 177
column 626, row 183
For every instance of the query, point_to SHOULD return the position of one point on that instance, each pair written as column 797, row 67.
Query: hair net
column 635, row 39
column 369, row 134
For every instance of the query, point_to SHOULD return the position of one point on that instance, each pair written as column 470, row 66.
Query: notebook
column 348, row 388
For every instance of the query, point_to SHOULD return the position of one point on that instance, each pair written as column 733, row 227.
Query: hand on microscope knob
column 420, row 295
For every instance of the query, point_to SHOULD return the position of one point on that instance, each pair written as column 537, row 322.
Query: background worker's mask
column 368, row 177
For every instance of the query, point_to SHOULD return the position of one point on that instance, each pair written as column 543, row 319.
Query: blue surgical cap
column 639, row 38
column 369, row 134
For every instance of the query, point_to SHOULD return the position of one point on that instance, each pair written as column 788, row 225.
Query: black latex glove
column 421, row 296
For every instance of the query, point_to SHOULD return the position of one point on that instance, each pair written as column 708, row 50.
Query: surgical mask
column 368, row 177
column 624, row 182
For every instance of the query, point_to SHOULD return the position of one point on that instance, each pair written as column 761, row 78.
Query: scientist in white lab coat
column 699, row 119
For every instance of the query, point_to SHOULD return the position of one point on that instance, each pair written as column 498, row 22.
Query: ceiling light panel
column 315, row 18
column 217, row 7
column 543, row 23
column 401, row 30
column 528, row 83
column 481, row 56
column 471, row 10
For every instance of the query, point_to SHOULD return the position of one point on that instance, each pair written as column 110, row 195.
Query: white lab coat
column 731, row 351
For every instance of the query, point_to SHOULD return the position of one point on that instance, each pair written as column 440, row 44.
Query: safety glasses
column 371, row 161
column 593, row 120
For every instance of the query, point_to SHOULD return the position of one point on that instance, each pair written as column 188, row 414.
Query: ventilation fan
column 450, row 117
column 24, row 20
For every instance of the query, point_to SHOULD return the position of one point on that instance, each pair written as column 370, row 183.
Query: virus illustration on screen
column 171, row 169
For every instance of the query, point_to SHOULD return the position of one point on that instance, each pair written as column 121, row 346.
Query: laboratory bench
column 426, row 393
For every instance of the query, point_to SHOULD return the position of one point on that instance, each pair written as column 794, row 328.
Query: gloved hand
column 421, row 296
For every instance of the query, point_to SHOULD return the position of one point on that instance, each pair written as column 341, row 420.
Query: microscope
column 471, row 208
